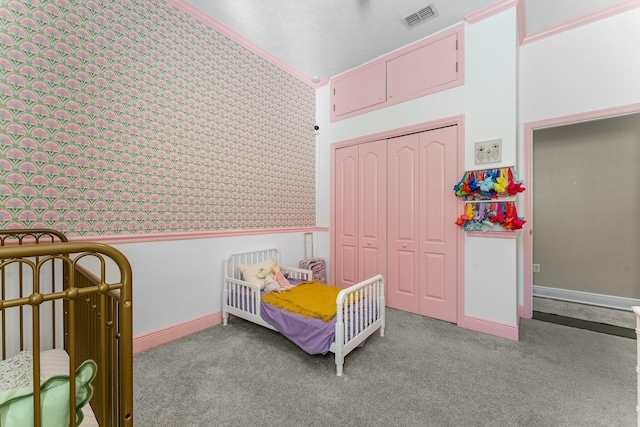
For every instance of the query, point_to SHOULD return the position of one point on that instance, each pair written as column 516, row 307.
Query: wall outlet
column 536, row 268
column 488, row 151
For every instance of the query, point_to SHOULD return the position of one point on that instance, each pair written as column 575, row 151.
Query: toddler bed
column 65, row 331
column 360, row 309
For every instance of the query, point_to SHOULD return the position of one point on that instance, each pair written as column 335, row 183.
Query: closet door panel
column 373, row 209
column 403, row 157
column 434, row 276
column 438, row 234
column 406, row 279
column 346, row 211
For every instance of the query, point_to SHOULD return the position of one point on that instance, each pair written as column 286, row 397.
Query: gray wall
column 586, row 206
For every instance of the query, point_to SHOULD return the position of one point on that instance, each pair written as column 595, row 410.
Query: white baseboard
column 600, row 300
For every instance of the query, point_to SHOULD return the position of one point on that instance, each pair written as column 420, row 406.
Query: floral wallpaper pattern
column 125, row 116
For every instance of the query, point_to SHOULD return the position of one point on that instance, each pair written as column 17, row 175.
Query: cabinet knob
column 369, row 243
column 404, row 245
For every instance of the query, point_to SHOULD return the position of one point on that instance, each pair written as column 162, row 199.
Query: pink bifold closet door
column 422, row 236
column 346, row 211
column 361, row 222
column 438, row 233
column 373, row 209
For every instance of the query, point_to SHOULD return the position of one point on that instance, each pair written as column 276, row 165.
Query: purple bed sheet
column 312, row 335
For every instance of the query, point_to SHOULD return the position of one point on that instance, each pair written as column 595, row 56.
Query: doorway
column 584, row 262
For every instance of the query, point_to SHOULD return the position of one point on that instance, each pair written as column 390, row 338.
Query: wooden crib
column 61, row 295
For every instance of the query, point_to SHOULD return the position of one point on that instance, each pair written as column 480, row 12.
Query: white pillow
column 250, row 272
column 53, row 362
column 16, row 371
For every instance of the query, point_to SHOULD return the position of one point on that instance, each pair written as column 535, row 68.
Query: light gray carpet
column 423, row 372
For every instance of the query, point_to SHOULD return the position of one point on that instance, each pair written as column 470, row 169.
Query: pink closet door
column 402, row 281
column 438, row 232
column 373, row 209
column 346, row 211
column 422, row 265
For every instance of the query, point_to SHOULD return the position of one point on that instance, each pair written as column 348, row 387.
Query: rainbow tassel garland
column 488, row 184
column 486, row 216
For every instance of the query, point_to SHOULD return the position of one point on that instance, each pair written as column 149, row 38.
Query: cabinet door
column 346, row 216
column 423, row 70
column 358, row 89
column 373, row 209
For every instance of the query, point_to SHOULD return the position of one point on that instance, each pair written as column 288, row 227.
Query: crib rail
column 98, row 314
column 32, row 236
column 49, row 299
column 19, row 238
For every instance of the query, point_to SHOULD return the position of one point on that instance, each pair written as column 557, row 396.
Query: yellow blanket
column 309, row 299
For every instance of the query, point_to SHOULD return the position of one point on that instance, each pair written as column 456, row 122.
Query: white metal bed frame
column 355, row 322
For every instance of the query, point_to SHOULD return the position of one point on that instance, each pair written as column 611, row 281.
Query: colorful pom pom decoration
column 488, row 184
column 482, row 189
column 485, row 216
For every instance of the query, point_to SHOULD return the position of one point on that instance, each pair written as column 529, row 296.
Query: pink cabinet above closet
column 428, row 66
column 363, row 88
column 423, row 70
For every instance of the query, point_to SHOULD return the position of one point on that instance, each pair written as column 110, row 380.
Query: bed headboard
column 232, row 261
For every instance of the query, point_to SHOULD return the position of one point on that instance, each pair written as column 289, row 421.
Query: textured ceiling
column 323, row 38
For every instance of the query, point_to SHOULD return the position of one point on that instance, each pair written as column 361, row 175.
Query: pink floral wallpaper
column 126, row 117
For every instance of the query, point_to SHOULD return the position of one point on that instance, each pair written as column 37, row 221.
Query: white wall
column 487, row 99
column 592, row 67
column 493, row 270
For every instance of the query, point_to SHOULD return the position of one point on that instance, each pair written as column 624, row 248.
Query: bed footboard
column 360, row 312
column 241, row 299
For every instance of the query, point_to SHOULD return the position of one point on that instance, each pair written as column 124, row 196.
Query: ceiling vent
column 420, row 16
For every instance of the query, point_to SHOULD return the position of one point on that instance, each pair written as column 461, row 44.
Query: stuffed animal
column 274, row 280
column 282, row 281
column 272, row 285
column 264, row 275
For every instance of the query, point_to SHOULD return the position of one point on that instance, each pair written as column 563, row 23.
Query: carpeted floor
column 423, row 372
